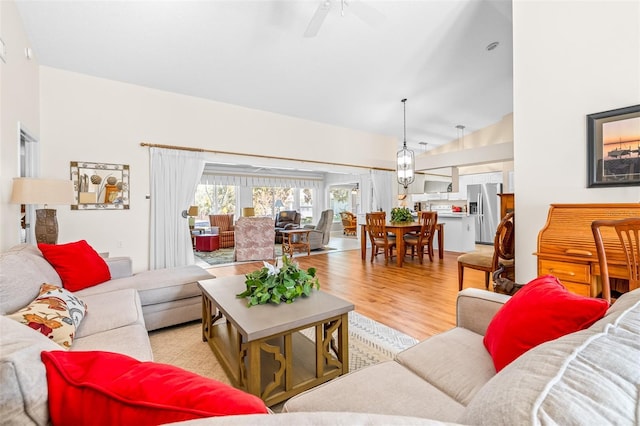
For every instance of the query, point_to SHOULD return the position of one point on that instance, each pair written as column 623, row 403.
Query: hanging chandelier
column 406, row 165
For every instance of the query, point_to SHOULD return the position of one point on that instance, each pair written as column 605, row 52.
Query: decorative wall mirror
column 100, row 186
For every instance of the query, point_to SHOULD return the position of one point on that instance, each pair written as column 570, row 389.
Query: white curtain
column 383, row 182
column 175, row 175
column 251, row 181
column 366, row 190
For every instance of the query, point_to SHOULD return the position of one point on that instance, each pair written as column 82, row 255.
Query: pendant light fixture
column 406, row 165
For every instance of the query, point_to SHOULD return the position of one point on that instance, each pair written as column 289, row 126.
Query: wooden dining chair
column 612, row 252
column 503, row 253
column 377, row 230
column 423, row 239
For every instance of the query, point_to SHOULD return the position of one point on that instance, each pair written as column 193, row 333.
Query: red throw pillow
column 106, row 388
column 78, row 264
column 540, row 311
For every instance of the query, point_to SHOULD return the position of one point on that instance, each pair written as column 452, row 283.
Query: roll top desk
column 566, row 247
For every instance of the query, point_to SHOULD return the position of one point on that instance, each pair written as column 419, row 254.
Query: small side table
column 295, row 239
column 207, row 242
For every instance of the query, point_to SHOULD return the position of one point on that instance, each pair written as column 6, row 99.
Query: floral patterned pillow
column 56, row 313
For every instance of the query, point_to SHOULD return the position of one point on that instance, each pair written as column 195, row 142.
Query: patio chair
column 349, row 223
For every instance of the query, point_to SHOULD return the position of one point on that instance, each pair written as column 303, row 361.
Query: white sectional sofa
column 167, row 296
column 590, row 377
column 119, row 313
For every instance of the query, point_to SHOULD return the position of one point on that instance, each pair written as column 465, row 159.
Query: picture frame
column 613, row 148
column 100, row 186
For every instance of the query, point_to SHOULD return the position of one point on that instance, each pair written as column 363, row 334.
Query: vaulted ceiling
column 364, row 58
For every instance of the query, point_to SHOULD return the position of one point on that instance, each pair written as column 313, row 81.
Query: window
column 340, row 201
column 215, row 199
column 306, row 206
column 268, row 201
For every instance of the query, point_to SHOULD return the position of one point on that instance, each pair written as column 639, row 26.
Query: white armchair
column 321, row 233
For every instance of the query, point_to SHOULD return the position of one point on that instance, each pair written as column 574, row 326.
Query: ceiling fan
column 362, row 10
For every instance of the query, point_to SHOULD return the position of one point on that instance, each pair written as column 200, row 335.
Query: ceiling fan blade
column 368, row 14
column 318, row 18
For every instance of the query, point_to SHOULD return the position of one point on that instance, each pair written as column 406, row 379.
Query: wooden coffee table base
column 279, row 366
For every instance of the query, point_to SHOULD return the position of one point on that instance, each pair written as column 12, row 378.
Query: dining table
column 399, row 229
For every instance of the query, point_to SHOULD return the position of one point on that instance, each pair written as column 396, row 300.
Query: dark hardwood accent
column 566, row 247
column 416, row 299
column 507, row 204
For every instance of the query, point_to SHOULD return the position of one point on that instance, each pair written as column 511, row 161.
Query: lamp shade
column 193, row 211
column 42, row 191
column 248, row 212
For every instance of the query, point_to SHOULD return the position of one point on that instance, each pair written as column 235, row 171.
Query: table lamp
column 193, row 213
column 43, row 191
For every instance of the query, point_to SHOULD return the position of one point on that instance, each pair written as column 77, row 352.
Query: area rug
column 225, row 255
column 369, row 343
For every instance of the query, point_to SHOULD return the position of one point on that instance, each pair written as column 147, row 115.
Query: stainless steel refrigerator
column 484, row 206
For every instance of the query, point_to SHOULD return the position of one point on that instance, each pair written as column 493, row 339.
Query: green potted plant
column 271, row 284
column 401, row 214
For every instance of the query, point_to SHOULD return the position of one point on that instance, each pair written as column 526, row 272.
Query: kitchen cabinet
column 507, row 204
column 460, row 231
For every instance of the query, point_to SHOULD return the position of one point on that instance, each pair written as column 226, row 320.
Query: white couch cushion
column 159, row 285
column 385, row 388
column 131, row 340
column 23, row 389
column 313, row 419
column 456, row 362
column 106, row 311
column 588, row 377
column 22, row 271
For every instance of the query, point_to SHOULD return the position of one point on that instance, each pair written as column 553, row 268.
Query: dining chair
column 377, row 229
column 423, row 239
column 503, row 253
column 609, row 253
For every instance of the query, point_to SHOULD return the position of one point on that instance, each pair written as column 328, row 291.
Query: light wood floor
column 418, row 300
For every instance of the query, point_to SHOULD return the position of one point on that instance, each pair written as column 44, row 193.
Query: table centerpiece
column 273, row 284
column 401, row 214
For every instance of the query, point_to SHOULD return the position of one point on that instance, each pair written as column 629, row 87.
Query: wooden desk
column 399, row 229
column 566, row 247
column 295, row 239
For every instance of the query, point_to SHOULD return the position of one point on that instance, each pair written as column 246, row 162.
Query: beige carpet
column 369, row 343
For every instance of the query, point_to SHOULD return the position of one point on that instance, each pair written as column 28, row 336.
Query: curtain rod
column 185, row 148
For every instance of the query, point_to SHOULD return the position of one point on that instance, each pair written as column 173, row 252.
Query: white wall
column 91, row 119
column 571, row 58
column 18, row 103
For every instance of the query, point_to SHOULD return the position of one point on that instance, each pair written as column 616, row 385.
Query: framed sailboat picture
column 613, row 147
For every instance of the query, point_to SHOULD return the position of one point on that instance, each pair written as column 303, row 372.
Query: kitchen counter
column 453, row 214
column 460, row 232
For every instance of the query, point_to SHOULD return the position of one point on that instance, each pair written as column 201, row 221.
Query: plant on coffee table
column 271, row 284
